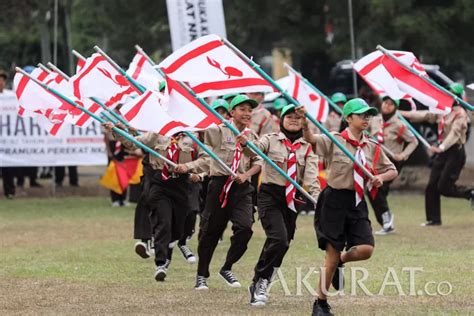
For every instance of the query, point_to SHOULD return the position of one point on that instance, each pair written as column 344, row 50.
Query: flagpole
column 353, row 52
column 97, row 118
column 141, row 90
column 135, row 84
column 413, row 130
column 78, row 55
column 115, row 119
column 292, row 100
column 44, row 68
column 236, row 132
column 336, row 107
column 429, row 80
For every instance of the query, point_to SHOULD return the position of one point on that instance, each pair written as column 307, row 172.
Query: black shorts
column 337, row 221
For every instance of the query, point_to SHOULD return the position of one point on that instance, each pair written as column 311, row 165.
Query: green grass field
column 75, row 256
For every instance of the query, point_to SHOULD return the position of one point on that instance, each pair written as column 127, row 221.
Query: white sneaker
column 261, row 290
column 201, row 283
column 187, row 254
column 160, row 273
column 116, row 204
column 253, row 300
column 141, row 249
column 229, row 278
column 387, row 219
column 383, row 232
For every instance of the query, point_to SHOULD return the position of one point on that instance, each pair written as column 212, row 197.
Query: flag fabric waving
column 50, row 111
column 119, row 174
column 212, row 68
column 99, row 79
column 80, row 64
column 383, row 73
column 35, row 101
column 142, row 71
column 316, row 105
column 168, row 114
column 32, row 96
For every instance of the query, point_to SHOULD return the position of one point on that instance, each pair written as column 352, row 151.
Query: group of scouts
column 172, row 197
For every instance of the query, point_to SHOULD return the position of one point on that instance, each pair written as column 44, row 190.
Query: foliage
column 437, row 31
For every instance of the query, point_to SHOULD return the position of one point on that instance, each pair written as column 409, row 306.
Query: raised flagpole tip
column 43, row 67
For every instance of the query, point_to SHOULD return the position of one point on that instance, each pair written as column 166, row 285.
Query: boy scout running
column 227, row 198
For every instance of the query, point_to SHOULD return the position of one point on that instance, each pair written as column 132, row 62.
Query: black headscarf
column 386, row 117
column 292, row 136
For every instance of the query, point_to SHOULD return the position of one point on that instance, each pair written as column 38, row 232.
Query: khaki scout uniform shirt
column 395, row 135
column 187, row 151
column 262, row 122
column 340, row 167
column 306, row 168
column 221, row 141
column 455, row 125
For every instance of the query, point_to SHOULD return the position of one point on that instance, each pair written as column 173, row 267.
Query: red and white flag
column 316, row 105
column 385, row 74
column 35, row 101
column 51, row 111
column 168, row 114
column 32, row 96
column 142, row 71
column 212, row 68
column 99, row 79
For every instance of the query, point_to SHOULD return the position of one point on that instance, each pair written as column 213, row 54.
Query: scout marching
column 172, row 196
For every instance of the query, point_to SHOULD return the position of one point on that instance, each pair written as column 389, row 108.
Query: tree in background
column 316, row 31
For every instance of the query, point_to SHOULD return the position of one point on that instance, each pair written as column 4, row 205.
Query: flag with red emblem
column 212, row 68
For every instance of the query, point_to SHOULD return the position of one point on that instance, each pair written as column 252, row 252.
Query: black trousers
column 254, row 181
column 279, row 223
column 8, row 177
column 142, row 225
column 445, row 172
column 168, row 202
column 116, row 197
column 214, row 220
column 189, row 227
column 30, row 172
column 60, row 173
column 380, row 204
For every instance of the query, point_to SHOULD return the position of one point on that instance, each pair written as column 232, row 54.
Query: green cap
column 358, row 106
column 220, row 103
column 229, row 96
column 242, row 98
column 457, row 89
column 338, row 97
column 287, row 109
column 162, row 86
column 395, row 101
column 279, row 103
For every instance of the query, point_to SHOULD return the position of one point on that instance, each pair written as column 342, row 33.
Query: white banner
column 24, row 143
column 191, row 19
